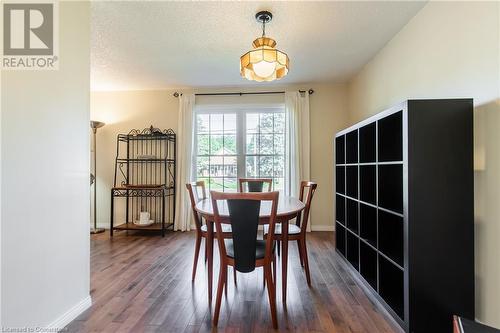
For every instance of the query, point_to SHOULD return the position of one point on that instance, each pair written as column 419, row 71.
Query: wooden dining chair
column 197, row 192
column 244, row 251
column 255, row 184
column 297, row 232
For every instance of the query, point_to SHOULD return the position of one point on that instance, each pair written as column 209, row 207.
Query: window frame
column 241, row 134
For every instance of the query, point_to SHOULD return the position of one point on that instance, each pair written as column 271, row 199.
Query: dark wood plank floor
column 142, row 283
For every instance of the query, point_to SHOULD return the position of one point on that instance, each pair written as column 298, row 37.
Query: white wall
column 328, row 106
column 124, row 110
column 45, row 183
column 450, row 49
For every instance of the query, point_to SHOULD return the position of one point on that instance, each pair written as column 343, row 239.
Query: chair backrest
column 303, row 218
column 255, row 184
column 244, row 209
column 197, row 193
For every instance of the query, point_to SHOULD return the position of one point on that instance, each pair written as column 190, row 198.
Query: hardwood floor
column 142, row 283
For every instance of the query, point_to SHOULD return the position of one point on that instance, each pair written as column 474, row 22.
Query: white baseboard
column 322, row 228
column 104, row 225
column 71, row 314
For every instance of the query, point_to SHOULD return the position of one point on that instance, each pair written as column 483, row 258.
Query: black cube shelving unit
column 405, row 210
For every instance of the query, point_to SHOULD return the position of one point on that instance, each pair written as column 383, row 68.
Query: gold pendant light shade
column 264, row 62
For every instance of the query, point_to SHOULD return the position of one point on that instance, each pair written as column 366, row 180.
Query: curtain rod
column 176, row 94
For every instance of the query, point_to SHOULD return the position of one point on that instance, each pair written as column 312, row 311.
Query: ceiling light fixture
column 264, row 62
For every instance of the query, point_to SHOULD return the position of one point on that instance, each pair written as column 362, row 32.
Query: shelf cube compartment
column 340, row 179
column 352, row 215
column 368, row 183
column 391, row 236
column 391, row 285
column 352, row 181
column 340, row 209
column 353, row 250
column 368, row 264
column 390, row 187
column 390, row 138
column 340, row 150
column 351, row 153
column 368, row 224
column 368, row 143
column 340, row 234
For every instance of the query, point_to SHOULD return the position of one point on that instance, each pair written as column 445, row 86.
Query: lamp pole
column 95, row 125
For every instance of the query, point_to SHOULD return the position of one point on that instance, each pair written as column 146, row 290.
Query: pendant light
column 264, row 62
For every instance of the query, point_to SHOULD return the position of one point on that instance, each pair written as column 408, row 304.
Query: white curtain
column 297, row 144
column 183, row 213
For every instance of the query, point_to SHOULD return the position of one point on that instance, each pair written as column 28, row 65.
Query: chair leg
column 278, row 245
column 196, row 254
column 284, row 271
column 275, row 277
column 263, row 270
column 271, row 291
column 225, row 283
column 206, row 246
column 306, row 261
column 222, row 274
column 300, row 253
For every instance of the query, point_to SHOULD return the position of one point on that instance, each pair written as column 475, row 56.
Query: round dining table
column 288, row 208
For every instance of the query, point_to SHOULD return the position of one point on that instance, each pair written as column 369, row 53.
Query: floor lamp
column 95, row 125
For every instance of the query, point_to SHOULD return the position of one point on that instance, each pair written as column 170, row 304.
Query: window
column 265, row 147
column 232, row 144
column 216, row 146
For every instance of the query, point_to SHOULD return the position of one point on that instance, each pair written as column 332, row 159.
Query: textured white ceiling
column 158, row 45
